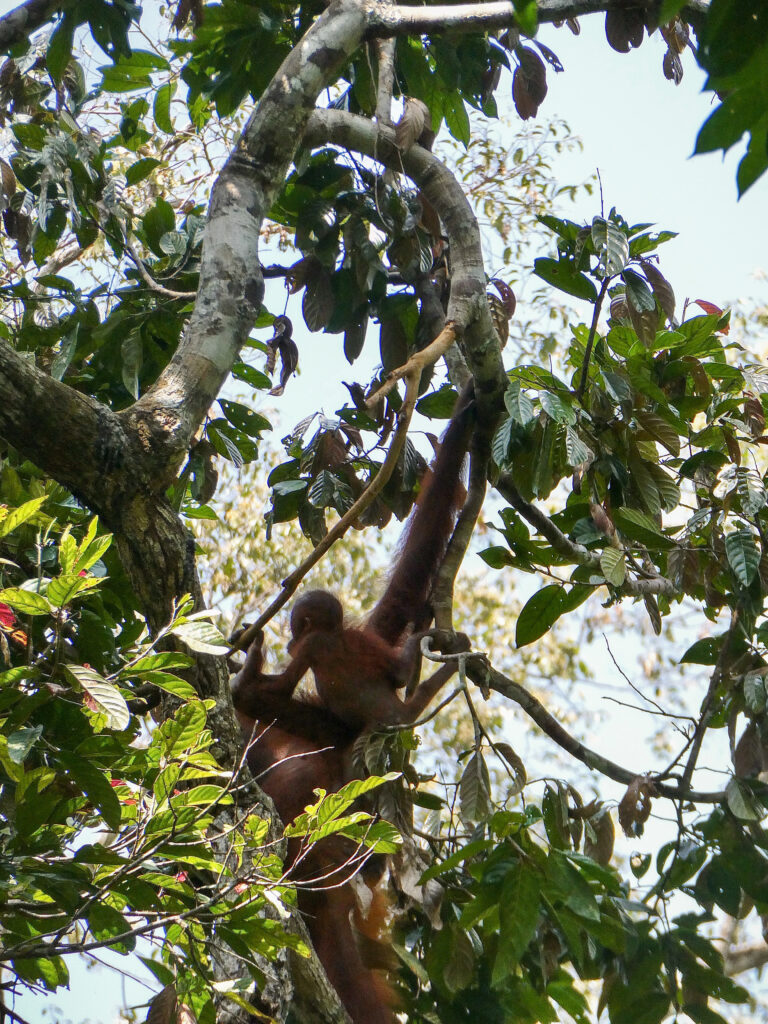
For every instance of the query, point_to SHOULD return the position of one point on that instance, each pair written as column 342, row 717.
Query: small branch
column 417, row 362
column 745, row 958
column 570, row 549
column 415, row 365
column 591, row 338
column 491, row 677
column 442, row 592
column 706, row 705
column 147, row 278
column 386, row 53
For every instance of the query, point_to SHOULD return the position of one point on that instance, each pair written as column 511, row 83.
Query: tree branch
column 22, row 21
column 570, row 549
column 482, row 17
column 487, row 676
column 467, row 305
column 64, row 432
column 231, row 285
column 414, row 368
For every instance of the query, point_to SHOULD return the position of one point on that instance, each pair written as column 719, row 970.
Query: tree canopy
column 149, row 156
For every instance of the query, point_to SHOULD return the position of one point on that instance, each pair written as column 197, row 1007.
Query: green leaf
column 161, row 109
column 141, row 169
column 59, row 51
column 557, row 408
column 639, row 292
column 65, row 588
column 104, row 696
column 245, row 419
column 201, row 636
column 21, row 742
column 614, row 566
column 20, row 515
column 519, row 406
column 563, row 275
column 576, row 450
column 97, row 787
column 636, row 525
column 25, row 601
column 255, row 378
column 539, row 614
column 496, row 557
column 703, row 652
column 475, row 789
column 611, row 245
column 742, row 802
column 660, row 431
column 743, row 555
column 519, row 908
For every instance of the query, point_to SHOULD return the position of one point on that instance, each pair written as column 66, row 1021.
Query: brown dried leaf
column 162, row 1008
column 289, row 360
column 393, row 344
column 416, row 117
column 749, row 757
column 645, row 323
column 619, row 310
column 529, row 83
column 354, row 339
column 298, row 275
column 7, row 181
column 601, row 519
column 499, row 318
column 672, row 67
column 734, row 449
column 660, row 286
column 652, row 607
column 754, row 415
column 624, row 27
column 599, row 838
column 635, row 806
column 504, row 290
column 489, row 80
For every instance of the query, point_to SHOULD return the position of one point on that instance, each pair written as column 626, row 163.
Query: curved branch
column 482, row 17
column 486, row 676
column 231, row 285
column 467, row 305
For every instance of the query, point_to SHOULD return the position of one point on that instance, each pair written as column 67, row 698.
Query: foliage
column 109, row 829
column 644, row 434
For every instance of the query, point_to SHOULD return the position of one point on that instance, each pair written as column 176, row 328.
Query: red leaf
column 7, row 618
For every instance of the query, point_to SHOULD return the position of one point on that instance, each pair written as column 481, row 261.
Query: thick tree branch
column 18, row 24
column 231, row 284
column 467, row 305
column 483, row 17
column 66, row 433
column 486, row 676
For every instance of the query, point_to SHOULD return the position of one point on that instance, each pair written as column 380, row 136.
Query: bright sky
column 639, row 131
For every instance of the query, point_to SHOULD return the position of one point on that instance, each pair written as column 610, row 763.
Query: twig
column 591, row 338
column 412, row 373
column 491, row 677
column 417, row 362
column 149, row 280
